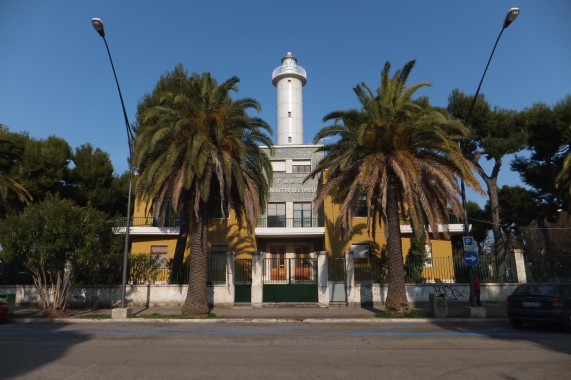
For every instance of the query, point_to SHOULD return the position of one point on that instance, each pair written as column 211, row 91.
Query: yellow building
column 290, row 234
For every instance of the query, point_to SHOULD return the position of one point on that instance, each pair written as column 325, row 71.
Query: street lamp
column 98, row 26
column 510, row 17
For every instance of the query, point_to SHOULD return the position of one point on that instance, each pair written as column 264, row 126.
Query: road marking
column 257, row 331
column 382, row 329
column 488, row 330
column 289, row 330
column 65, row 328
column 151, row 331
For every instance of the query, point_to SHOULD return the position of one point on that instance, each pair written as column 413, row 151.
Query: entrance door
column 290, row 279
column 303, row 267
column 278, row 264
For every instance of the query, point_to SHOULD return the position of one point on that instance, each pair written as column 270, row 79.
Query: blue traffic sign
column 469, row 245
column 471, row 258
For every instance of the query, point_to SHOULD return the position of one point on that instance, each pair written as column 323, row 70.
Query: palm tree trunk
column 196, row 302
column 178, row 259
column 396, row 302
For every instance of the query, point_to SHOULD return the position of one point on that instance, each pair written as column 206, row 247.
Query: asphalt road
column 388, row 350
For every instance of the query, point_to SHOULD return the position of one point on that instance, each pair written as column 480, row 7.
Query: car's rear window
column 537, row 290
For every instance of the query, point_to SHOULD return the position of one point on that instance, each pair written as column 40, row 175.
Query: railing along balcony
column 452, row 219
column 282, row 221
column 145, row 221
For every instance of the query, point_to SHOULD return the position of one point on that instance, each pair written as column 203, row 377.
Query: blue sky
column 55, row 76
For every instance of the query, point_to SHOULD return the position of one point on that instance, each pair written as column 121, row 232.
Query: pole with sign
column 470, row 258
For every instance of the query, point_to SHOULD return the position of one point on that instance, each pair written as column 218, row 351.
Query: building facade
column 291, row 232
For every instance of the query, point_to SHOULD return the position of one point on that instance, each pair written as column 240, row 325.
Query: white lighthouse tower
column 289, row 79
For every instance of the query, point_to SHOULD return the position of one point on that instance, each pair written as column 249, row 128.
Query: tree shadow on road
column 25, row 348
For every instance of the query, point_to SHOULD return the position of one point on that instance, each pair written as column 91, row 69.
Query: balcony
column 146, row 226
column 279, row 226
column 454, row 226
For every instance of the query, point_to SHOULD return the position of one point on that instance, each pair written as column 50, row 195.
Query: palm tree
column 8, row 184
column 198, row 146
column 563, row 179
column 401, row 155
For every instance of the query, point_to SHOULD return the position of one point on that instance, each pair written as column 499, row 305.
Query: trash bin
column 10, row 301
column 438, row 305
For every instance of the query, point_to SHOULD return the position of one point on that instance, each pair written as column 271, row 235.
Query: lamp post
column 510, row 17
column 98, row 26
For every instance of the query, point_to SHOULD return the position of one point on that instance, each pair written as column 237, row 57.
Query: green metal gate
column 290, row 280
column 243, row 284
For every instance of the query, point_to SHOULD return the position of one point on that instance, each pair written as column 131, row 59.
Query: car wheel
column 516, row 324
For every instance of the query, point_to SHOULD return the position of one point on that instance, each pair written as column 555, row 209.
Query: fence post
column 520, row 266
column 257, row 279
column 230, row 277
column 323, row 278
column 350, row 278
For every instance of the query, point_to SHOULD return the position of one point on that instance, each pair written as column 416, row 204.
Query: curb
column 251, row 320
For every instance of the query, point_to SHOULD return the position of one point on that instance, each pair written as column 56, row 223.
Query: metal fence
column 282, row 221
column 336, row 269
column 282, row 270
column 159, row 274
column 441, row 269
column 243, row 271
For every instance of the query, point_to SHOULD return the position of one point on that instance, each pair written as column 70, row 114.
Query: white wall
column 164, row 295
column 136, row 295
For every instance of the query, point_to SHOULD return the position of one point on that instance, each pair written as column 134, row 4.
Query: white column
column 323, row 278
column 230, row 278
column 520, row 266
column 257, row 279
column 350, row 278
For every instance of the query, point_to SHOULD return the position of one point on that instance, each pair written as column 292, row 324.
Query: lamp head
column 512, row 15
column 98, row 26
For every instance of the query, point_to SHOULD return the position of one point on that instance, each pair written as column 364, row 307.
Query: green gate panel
column 290, row 293
column 243, row 293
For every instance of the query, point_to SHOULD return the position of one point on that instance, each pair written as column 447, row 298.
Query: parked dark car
column 3, row 312
column 540, row 302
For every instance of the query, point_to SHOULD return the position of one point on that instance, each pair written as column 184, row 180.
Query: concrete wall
column 136, row 295
column 376, row 293
column 163, row 295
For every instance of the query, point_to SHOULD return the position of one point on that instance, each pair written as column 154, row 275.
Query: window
column 217, row 272
column 428, row 248
column 302, row 214
column 360, row 250
column 161, row 253
column 361, row 210
column 289, row 114
column 363, row 262
column 289, row 139
column 276, row 215
column 279, row 166
column 301, row 166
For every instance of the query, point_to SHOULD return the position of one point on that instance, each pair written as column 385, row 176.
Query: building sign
column 294, row 190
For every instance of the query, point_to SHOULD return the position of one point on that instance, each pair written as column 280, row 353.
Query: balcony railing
column 282, row 221
column 269, row 222
column 141, row 221
column 452, row 219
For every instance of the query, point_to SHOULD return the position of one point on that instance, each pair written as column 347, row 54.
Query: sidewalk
column 269, row 312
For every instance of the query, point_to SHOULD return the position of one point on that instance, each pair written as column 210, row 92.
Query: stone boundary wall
column 136, row 295
column 376, row 293
column 167, row 295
